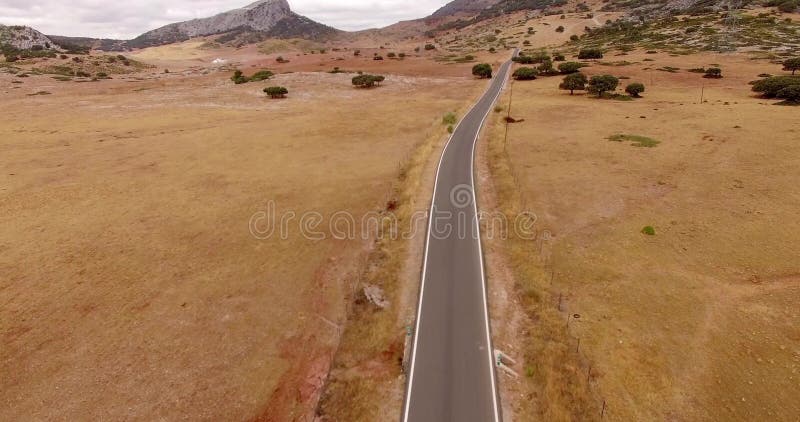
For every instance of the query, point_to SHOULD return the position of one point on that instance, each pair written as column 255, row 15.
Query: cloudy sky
column 127, row 19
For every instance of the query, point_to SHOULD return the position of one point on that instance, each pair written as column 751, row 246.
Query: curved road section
column 452, row 375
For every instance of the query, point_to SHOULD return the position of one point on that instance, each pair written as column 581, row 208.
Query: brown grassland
column 700, row 321
column 130, row 285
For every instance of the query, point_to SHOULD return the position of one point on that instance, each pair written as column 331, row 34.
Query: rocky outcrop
column 26, row 38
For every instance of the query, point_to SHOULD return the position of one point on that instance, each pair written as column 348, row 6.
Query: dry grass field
column 130, row 285
column 699, row 321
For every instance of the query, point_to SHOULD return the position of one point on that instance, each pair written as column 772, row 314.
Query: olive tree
column 792, row 65
column 635, row 89
column 574, row 82
column 601, row 84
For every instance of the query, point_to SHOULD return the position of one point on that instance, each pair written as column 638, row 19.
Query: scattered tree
column 590, row 53
column 792, row 65
column 635, row 89
column 546, row 67
column 713, row 73
column 601, row 84
column 574, row 82
column 483, row 70
column 558, row 57
column 525, row 74
column 367, row 81
column 276, row 92
column 569, row 67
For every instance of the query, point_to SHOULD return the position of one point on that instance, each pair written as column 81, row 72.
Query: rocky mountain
column 461, row 7
column 26, row 38
column 267, row 18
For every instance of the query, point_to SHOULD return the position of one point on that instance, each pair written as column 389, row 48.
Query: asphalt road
column 452, row 374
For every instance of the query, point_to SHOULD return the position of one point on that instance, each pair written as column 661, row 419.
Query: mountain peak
column 267, row 17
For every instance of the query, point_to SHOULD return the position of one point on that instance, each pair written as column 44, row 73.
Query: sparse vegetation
column 649, row 231
column 449, row 119
column 590, row 54
column 635, row 140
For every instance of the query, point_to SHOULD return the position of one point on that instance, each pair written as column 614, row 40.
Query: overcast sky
column 127, row 19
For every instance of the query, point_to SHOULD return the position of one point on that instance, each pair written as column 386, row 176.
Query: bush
column 713, row 73
column 523, row 59
column 590, row 53
column 771, row 87
column 402, row 55
column 560, row 29
column 449, row 119
column 391, row 55
column 558, row 57
column 649, row 231
column 261, row 75
column 82, row 74
column 483, row 70
column 357, row 53
column 791, row 94
column 280, row 59
column 792, row 65
column 569, row 67
column 546, row 68
column 239, row 78
column 601, row 84
column 574, row 38
column 574, row 82
column 429, row 47
column 276, row 91
column 525, row 74
column 377, row 58
column 635, row 89
column 368, row 81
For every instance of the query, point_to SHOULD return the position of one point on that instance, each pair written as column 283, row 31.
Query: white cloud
column 124, row 20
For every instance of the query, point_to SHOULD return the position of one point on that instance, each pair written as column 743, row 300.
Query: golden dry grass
column 698, row 322
column 130, row 286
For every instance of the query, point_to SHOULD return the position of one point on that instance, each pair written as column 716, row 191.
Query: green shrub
column 239, row 78
column 635, row 89
column 790, row 94
column 449, row 119
column 601, row 84
column 276, row 92
column 635, row 140
column 569, row 67
column 261, row 75
column 525, row 74
column 368, row 81
column 770, row 87
column 649, row 231
column 482, row 70
column 713, row 73
column 558, row 57
column 590, row 53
